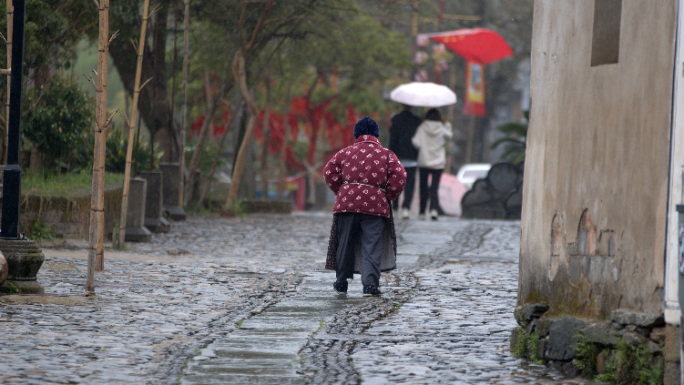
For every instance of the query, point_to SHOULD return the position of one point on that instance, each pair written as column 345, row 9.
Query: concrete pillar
column 154, row 202
column 135, row 219
column 172, row 175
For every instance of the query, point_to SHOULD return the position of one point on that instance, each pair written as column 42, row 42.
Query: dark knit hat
column 366, row 126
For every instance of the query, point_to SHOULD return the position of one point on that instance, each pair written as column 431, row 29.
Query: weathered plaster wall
column 597, row 161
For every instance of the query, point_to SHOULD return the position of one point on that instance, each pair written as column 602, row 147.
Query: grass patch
column 67, row 184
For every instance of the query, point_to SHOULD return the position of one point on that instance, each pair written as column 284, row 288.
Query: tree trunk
column 266, row 133
column 184, row 110
column 119, row 242
column 282, row 169
column 96, row 232
column 218, row 152
column 154, row 64
column 241, row 80
column 213, row 102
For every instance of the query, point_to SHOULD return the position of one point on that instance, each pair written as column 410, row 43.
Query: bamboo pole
column 10, row 25
column 266, row 129
column 96, row 231
column 120, row 241
column 184, row 109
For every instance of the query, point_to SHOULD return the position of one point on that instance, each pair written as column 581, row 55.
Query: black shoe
column 370, row 290
column 340, row 288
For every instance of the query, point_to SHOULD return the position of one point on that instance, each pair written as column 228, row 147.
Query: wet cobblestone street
column 246, row 300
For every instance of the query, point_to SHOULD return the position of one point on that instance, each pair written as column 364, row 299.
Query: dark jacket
column 404, row 125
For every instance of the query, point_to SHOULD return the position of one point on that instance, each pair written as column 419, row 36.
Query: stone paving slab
column 246, row 300
column 150, row 316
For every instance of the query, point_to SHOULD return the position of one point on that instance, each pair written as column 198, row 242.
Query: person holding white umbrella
column 430, row 139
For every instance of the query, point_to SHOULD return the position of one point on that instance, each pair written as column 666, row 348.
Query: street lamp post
column 24, row 257
column 11, row 190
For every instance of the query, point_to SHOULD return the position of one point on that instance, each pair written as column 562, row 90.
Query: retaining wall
column 69, row 217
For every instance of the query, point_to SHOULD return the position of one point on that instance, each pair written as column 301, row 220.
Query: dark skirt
column 389, row 252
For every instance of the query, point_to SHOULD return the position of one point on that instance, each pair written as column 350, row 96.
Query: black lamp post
column 11, row 190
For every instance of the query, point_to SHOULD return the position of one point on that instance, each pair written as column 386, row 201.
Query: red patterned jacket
column 365, row 177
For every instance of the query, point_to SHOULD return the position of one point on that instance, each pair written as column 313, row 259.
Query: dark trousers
column 408, row 189
column 367, row 228
column 432, row 191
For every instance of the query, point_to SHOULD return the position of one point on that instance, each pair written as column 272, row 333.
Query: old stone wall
column 69, row 216
column 596, row 170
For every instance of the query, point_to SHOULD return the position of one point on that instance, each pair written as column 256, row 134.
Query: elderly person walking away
column 365, row 177
column 402, row 128
column 430, row 140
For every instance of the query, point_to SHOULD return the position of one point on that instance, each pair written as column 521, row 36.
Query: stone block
column 562, row 336
column 601, row 333
column 498, row 196
column 601, row 362
column 24, row 259
column 541, row 347
column 525, row 314
column 658, row 334
column 541, row 326
column 626, row 317
column 171, row 190
column 154, row 202
column 515, row 334
column 634, row 339
column 135, row 217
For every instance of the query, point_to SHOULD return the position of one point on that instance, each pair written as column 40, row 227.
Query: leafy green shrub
column 59, row 121
column 117, row 145
column 533, row 348
column 636, row 365
column 40, row 231
column 520, row 348
column 624, row 365
column 585, row 356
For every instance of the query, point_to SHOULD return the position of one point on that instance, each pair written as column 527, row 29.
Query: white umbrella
column 423, row 95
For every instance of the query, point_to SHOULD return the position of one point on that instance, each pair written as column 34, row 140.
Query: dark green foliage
column 527, row 346
column 60, row 121
column 117, row 143
column 624, row 364
column 520, row 347
column 515, row 137
column 585, row 356
column 39, row 231
column 53, row 29
column 209, row 151
column 634, row 365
